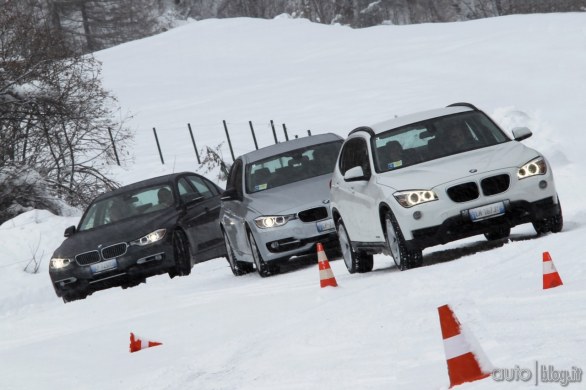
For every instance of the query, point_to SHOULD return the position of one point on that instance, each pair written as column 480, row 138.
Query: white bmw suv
column 433, row 177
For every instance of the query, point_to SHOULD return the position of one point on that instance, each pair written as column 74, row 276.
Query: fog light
column 275, row 245
column 543, row 184
column 417, row 215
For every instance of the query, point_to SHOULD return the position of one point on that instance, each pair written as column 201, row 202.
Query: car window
column 354, row 154
column 126, row 205
column 200, row 186
column 435, row 138
column 292, row 166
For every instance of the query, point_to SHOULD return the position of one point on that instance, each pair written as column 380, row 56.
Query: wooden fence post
column 274, row 132
column 114, row 146
column 158, row 146
column 253, row 135
column 229, row 142
column 193, row 142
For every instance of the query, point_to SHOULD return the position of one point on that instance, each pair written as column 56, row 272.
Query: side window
column 354, row 154
column 184, row 187
column 212, row 187
column 235, row 176
column 200, row 186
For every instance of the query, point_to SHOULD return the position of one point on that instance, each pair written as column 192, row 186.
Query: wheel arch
column 383, row 208
column 336, row 216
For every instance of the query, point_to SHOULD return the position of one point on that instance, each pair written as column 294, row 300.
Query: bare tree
column 55, row 115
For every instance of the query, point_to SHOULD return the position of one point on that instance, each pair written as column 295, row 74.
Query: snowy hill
column 375, row 331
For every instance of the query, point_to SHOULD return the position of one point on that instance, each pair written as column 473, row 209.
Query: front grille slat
column 115, row 250
column 469, row 191
column 87, row 258
column 314, row 214
column 463, row 192
column 495, row 184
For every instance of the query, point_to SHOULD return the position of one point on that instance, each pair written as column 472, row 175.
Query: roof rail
column 464, row 104
column 363, row 128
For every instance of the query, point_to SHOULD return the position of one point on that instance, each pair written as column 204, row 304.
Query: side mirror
column 355, row 174
column 70, row 231
column 230, row 194
column 521, row 133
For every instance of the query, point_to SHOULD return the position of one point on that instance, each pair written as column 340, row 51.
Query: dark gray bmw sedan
column 160, row 225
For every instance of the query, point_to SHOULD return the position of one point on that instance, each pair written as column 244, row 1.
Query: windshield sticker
column 395, row 164
column 260, row 187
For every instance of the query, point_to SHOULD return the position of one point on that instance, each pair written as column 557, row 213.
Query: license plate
column 326, row 225
column 104, row 266
column 488, row 211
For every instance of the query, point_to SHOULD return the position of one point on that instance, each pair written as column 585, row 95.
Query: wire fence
column 279, row 133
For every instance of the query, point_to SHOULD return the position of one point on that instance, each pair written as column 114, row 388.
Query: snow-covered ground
column 375, row 331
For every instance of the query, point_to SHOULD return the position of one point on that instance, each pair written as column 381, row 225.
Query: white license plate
column 326, row 225
column 488, row 211
column 104, row 266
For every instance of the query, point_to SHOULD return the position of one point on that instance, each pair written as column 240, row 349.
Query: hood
column 446, row 169
column 123, row 231
column 293, row 197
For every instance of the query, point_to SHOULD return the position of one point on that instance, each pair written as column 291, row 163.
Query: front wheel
column 182, row 253
column 73, row 296
column 553, row 224
column 262, row 267
column 355, row 262
column 238, row 267
column 403, row 257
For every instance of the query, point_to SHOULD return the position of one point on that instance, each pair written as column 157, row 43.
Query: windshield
column 127, row 205
column 292, row 166
column 434, row 138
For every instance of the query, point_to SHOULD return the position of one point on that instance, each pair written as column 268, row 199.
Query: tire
column 553, row 224
column 182, row 253
column 238, row 267
column 498, row 234
column 262, row 267
column 355, row 262
column 404, row 258
column 70, row 297
column 132, row 283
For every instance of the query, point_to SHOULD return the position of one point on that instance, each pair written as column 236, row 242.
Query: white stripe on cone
column 549, row 268
column 326, row 274
column 456, row 346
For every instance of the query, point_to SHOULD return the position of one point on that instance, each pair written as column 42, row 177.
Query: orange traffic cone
column 326, row 276
column 551, row 278
column 136, row 344
column 463, row 364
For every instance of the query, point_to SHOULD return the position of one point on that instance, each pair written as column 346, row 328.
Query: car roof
column 419, row 116
column 293, row 144
column 144, row 183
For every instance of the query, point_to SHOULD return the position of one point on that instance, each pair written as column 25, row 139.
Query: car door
column 355, row 199
column 201, row 200
column 234, row 210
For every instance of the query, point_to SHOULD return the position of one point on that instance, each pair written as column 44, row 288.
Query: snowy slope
column 375, row 331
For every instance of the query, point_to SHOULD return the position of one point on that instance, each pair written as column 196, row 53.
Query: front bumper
column 136, row 264
column 295, row 238
column 458, row 227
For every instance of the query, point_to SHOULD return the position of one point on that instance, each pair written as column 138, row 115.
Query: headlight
column 414, row 197
column 155, row 236
column 58, row 263
column 532, row 168
column 270, row 221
